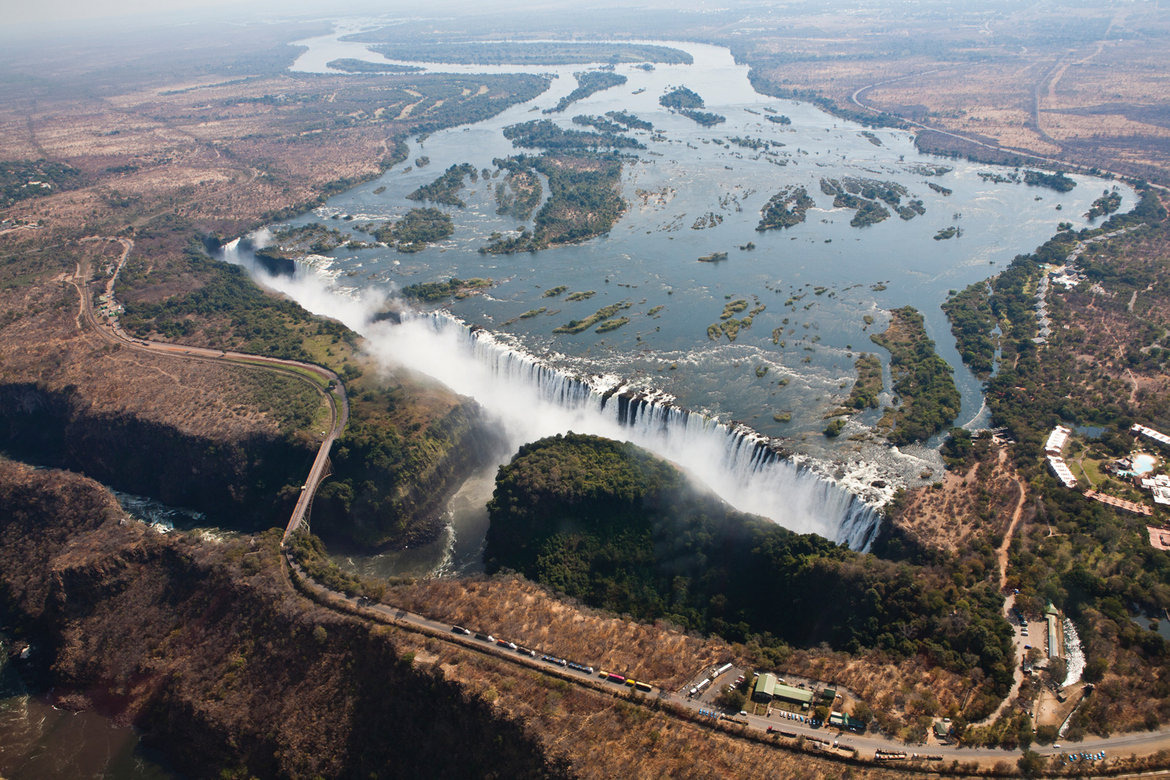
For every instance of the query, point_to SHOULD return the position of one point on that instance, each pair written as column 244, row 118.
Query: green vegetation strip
column 416, row 230
column 923, row 381
column 445, row 188
column 577, row 326
column 588, row 83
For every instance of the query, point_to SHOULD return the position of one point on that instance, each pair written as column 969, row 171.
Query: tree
column 1057, row 670
column 1031, row 764
column 732, row 699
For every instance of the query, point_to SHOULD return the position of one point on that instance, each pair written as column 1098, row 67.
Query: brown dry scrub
column 899, row 693
column 511, row 607
column 965, row 511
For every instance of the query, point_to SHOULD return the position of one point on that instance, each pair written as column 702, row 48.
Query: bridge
column 327, row 383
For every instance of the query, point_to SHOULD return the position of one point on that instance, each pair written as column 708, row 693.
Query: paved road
column 333, row 390
column 866, row 745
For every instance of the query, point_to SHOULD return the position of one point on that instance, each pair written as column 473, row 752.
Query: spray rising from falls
column 532, row 400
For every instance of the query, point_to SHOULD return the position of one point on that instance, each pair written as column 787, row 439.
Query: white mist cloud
column 531, row 401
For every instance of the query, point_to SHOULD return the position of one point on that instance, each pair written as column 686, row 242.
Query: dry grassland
column 523, row 612
column 967, row 509
column 1085, row 85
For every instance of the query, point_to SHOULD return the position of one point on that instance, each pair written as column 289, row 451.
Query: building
column 1061, row 471
column 1159, row 537
column 765, row 689
column 1056, row 441
column 1119, row 503
column 1150, row 433
column 787, row 693
column 843, row 721
column 1160, row 487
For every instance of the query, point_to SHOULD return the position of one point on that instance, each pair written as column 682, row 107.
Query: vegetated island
column 729, row 325
column 605, row 313
column 785, row 209
column 779, row 119
column 1055, row 181
column 279, row 257
column 631, row 121
column 948, row 232
column 599, row 123
column 865, row 391
column 520, row 192
column 416, row 230
column 515, row 53
column 941, row 190
column 1108, row 203
column 350, row 65
column 583, row 201
column 972, row 324
column 588, row 83
column 544, row 134
column 927, row 400
column 445, row 189
column 437, row 291
column 618, row 528
column 714, row 257
column 863, row 196
column 688, row 103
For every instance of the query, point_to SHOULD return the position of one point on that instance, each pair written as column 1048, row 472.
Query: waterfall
column 738, row 464
column 531, row 400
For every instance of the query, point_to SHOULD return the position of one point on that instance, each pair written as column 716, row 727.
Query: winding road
column 324, row 381
column 825, row 741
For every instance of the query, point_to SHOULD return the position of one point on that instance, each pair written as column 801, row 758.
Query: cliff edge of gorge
column 245, row 479
column 229, row 672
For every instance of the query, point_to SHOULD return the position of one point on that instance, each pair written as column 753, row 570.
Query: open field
column 1084, row 85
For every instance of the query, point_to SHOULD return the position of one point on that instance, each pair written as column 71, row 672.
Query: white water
column 530, row 400
column 1073, row 655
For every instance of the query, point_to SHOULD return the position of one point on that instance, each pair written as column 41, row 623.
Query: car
column 1056, row 747
column 743, row 712
column 460, row 630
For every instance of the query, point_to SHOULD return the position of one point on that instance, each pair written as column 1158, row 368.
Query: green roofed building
column 829, row 694
column 843, row 721
column 801, row 696
column 765, row 688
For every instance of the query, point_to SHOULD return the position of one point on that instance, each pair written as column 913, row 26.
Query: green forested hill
column 618, row 528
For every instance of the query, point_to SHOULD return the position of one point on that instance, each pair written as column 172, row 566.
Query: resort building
column 1062, row 472
column 1119, row 503
column 1150, row 433
column 1056, row 440
column 1160, row 487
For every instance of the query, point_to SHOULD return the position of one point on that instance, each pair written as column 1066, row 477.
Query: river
column 826, row 286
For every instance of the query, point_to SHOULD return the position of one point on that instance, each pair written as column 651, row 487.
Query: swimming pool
column 1143, row 463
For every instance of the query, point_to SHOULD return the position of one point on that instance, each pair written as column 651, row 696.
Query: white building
column 1062, row 472
column 1056, row 441
column 1150, row 433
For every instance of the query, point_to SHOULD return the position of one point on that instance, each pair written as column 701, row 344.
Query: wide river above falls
column 693, row 191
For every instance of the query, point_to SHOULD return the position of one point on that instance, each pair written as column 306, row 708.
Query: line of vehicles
column 627, row 681
column 1098, row 756
column 555, row 660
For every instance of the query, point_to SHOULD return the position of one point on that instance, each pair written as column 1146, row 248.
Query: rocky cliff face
column 237, row 481
column 207, row 649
